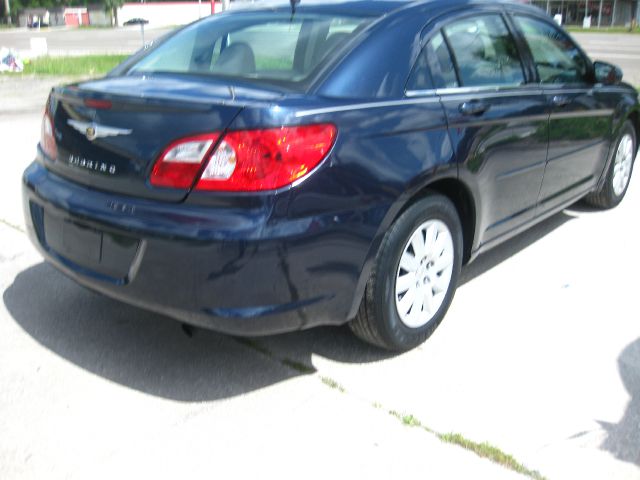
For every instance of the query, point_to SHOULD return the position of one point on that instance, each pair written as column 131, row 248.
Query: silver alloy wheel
column 622, row 165
column 424, row 273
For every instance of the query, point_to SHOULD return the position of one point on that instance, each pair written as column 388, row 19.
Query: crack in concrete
column 12, row 226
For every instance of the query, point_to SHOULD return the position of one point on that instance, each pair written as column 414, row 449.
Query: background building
column 158, row 14
column 603, row 13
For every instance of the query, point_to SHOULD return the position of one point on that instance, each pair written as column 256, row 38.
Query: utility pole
column 600, row 14
column 7, row 10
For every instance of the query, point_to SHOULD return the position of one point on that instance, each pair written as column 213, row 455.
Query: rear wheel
column 619, row 173
column 414, row 277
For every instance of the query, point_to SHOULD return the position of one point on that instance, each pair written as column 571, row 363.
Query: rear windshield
column 274, row 47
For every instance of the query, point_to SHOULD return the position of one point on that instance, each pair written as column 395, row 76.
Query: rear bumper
column 240, row 272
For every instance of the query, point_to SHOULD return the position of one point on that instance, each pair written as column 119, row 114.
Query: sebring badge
column 100, row 167
column 93, row 130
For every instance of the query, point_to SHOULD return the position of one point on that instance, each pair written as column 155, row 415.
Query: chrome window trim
column 514, row 90
column 510, row 89
column 417, row 97
column 420, row 93
column 489, row 91
column 367, row 105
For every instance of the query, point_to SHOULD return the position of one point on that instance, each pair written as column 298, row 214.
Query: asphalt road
column 620, row 49
column 81, row 41
column 539, row 355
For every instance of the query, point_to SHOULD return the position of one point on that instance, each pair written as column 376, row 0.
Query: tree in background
column 6, row 12
column 112, row 7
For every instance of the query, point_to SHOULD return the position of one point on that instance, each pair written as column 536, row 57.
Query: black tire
column 606, row 197
column 378, row 321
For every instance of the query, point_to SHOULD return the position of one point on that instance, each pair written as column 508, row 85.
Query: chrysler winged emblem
column 93, row 130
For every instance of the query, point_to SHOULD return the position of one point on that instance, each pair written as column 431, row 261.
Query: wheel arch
column 634, row 117
column 631, row 114
column 462, row 198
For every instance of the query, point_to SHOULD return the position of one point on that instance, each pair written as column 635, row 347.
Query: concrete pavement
column 92, row 388
column 96, row 389
column 539, row 355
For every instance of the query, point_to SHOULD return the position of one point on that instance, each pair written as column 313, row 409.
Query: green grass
column 258, row 347
column 287, row 362
column 488, row 451
column 331, row 383
column 299, row 367
column 578, row 29
column 88, row 65
column 411, row 421
column 12, row 225
column 484, row 449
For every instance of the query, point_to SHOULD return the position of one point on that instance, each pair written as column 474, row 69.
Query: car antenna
column 293, row 7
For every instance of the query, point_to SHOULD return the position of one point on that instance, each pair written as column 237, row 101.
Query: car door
column 497, row 122
column 581, row 114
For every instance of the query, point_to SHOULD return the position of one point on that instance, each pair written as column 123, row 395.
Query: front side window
column 557, row 58
column 272, row 46
column 484, row 51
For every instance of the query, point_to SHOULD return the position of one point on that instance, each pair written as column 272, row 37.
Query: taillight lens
column 246, row 160
column 47, row 137
column 180, row 163
column 254, row 160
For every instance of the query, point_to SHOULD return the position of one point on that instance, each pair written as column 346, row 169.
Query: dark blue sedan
column 288, row 166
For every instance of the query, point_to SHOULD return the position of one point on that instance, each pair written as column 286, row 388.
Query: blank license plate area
column 103, row 252
column 75, row 242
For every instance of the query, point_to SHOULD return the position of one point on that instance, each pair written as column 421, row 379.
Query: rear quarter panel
column 384, row 153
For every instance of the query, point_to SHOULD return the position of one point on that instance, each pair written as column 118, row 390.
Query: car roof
column 366, row 7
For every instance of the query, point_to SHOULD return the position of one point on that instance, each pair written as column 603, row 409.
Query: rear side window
column 484, row 51
column 434, row 68
column 557, row 58
column 272, row 46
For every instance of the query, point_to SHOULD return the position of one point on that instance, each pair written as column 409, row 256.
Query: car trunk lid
column 110, row 132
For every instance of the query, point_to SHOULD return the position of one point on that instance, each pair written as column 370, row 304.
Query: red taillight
column 181, row 161
column 47, row 137
column 97, row 104
column 266, row 159
column 247, row 160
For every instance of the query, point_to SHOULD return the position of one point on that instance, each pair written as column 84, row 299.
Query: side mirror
column 607, row 74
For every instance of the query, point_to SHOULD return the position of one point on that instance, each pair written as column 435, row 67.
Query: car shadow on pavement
column 622, row 438
column 511, row 247
column 153, row 354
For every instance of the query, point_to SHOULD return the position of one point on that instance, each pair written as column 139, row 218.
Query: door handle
column 560, row 100
column 473, row 107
